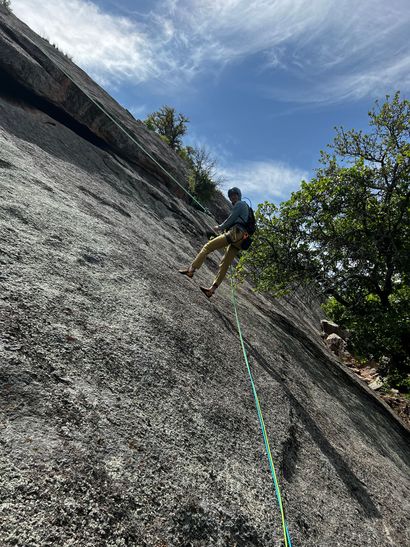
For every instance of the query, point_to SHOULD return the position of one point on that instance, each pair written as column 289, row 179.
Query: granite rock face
column 126, row 412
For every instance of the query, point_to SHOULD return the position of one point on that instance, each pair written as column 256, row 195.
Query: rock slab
column 126, row 413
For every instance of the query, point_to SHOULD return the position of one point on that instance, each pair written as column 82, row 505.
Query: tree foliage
column 347, row 231
column 203, row 179
column 169, row 125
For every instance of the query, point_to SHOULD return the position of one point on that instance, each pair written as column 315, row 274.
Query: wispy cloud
column 376, row 81
column 109, row 47
column 329, row 51
column 360, row 50
column 226, row 30
column 264, row 180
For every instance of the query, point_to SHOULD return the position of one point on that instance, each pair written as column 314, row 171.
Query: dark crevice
column 290, row 451
column 15, row 93
column 300, row 415
column 339, row 376
column 354, row 485
column 5, row 165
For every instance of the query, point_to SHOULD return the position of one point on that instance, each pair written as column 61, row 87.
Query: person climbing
column 235, row 225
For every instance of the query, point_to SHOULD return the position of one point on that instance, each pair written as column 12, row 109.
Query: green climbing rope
column 286, row 534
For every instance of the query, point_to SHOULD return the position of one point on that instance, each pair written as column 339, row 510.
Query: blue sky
column 263, row 82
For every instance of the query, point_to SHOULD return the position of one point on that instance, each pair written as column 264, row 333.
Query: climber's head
column 234, row 194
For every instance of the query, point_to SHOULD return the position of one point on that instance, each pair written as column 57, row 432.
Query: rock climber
column 234, row 229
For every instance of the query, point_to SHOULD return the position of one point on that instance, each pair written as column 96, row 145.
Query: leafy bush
column 169, row 125
column 203, row 180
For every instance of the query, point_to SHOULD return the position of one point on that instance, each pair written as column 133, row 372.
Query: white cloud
column 333, row 51
column 330, row 50
column 107, row 46
column 224, row 30
column 361, row 50
column 264, row 180
column 375, row 82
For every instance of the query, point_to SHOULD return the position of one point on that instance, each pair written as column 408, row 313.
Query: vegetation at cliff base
column 347, row 232
column 171, row 127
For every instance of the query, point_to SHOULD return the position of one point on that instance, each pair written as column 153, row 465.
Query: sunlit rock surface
column 126, row 411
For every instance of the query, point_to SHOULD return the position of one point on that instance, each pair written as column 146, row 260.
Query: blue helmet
column 235, row 190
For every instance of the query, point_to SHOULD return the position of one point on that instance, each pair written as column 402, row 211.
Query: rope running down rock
column 286, row 534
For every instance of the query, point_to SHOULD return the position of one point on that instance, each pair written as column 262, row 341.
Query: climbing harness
column 286, row 534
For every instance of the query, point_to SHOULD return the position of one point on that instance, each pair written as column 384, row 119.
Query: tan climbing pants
column 232, row 240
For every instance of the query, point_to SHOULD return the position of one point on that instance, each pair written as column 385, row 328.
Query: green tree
column 347, row 232
column 203, row 180
column 169, row 125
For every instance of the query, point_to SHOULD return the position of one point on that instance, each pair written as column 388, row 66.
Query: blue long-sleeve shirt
column 238, row 216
